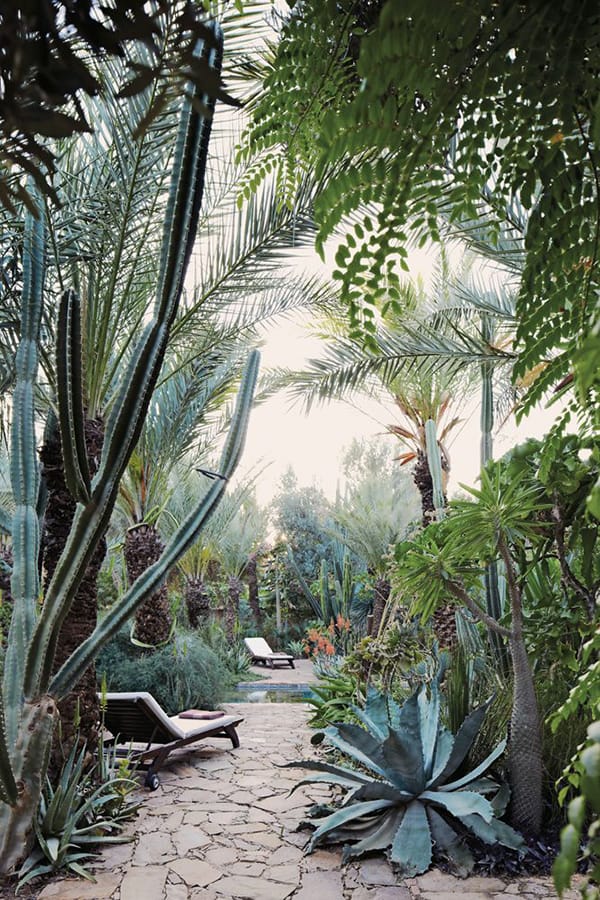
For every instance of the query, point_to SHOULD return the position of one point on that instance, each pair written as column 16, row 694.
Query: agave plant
column 75, row 815
column 410, row 792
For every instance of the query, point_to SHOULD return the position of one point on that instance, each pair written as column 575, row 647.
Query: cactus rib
column 25, row 479
column 70, row 397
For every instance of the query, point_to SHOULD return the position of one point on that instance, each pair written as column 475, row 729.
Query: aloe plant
column 29, row 690
column 407, row 794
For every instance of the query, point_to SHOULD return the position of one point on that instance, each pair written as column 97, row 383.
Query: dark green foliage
column 450, row 111
column 45, row 72
column 185, row 674
column 411, row 790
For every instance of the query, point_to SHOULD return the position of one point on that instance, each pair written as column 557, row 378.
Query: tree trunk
column 79, row 711
column 444, row 619
column 525, row 744
column 253, row 595
column 381, row 593
column 197, row 601
column 232, row 612
column 153, row 620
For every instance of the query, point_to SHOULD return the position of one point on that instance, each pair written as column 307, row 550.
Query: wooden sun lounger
column 261, row 653
column 136, row 718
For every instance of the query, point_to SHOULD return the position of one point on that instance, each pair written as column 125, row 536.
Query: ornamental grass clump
column 411, row 792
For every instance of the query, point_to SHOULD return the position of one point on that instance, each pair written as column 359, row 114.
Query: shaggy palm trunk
column 381, row 593
column 79, row 711
column 197, row 602
column 444, row 619
column 232, row 613
column 253, row 595
column 153, row 620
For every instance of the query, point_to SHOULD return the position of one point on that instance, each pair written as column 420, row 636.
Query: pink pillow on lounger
column 201, row 714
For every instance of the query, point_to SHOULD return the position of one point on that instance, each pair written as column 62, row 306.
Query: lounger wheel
column 152, row 781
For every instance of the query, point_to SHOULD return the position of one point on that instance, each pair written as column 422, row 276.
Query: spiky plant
column 406, row 793
column 30, row 690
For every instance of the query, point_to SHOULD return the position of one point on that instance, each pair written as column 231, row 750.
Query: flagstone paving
column 222, row 826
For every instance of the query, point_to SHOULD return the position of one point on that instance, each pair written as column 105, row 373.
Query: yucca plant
column 30, row 690
column 410, row 790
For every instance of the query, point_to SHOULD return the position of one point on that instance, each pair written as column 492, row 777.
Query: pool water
column 270, row 693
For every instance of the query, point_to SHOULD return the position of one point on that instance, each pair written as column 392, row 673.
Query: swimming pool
column 250, row 692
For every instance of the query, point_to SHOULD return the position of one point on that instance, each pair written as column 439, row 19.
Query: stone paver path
column 222, row 825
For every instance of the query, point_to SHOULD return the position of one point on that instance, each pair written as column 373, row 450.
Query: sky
column 282, row 435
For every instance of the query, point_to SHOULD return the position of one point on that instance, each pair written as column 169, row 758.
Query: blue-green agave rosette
column 406, row 796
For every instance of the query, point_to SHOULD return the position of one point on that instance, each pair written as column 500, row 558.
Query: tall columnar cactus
column 30, row 689
column 434, row 461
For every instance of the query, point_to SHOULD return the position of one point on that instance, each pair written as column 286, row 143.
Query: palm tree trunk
column 253, row 595
column 381, row 593
column 444, row 619
column 153, row 620
column 79, row 711
column 197, row 601
column 232, row 613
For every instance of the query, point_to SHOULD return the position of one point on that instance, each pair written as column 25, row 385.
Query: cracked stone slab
column 153, row 847
column 248, row 888
column 189, row 837
column 326, row 885
column 147, row 882
column 106, row 884
column 195, row 872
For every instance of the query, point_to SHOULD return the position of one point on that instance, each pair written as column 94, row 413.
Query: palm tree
column 374, row 514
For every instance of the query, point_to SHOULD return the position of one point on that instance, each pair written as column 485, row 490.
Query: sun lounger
column 136, row 718
column 261, row 653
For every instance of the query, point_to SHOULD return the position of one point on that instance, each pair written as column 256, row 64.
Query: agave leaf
column 33, row 873
column 373, row 726
column 380, row 837
column 500, row 801
column 448, row 841
column 328, row 778
column 345, row 815
column 475, row 773
column 461, row 803
column 443, row 749
column 462, row 743
column 380, row 789
column 53, row 845
column 327, row 767
column 382, row 710
column 408, row 720
column 79, row 870
column 494, row 831
column 429, row 722
column 404, row 761
column 411, row 847
column 357, row 743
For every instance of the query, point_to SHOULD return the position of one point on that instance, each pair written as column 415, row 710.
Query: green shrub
column 185, row 673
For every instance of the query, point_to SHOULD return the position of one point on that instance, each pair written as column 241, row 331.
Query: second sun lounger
column 261, row 653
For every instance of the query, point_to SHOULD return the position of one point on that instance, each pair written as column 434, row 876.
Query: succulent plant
column 408, row 794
